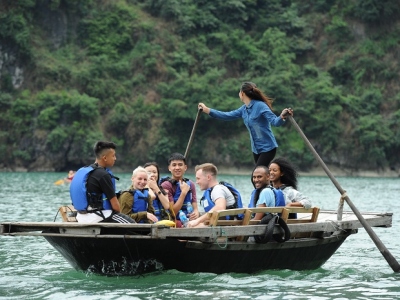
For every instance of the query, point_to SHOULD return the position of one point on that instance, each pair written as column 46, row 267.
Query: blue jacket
column 258, row 119
column 79, row 194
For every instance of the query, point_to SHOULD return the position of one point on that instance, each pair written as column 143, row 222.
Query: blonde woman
column 137, row 201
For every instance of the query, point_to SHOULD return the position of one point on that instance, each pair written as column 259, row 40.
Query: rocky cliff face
column 11, row 67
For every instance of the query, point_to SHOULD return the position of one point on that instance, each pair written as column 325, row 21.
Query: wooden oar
column 192, row 133
column 384, row 251
column 59, row 182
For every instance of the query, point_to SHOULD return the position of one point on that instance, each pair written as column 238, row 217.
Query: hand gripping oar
column 385, row 252
column 192, row 134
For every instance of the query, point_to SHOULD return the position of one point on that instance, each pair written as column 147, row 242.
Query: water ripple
column 32, row 269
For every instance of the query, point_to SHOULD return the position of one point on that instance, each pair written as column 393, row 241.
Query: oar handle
column 384, row 251
column 192, row 133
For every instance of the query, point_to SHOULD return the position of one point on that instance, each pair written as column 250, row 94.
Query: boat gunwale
column 153, row 231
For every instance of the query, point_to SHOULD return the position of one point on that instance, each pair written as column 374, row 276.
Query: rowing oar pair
column 382, row 248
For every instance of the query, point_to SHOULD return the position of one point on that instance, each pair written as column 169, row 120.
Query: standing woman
column 283, row 176
column 161, row 202
column 258, row 117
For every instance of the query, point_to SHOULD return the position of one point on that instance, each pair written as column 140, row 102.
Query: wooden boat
column 224, row 246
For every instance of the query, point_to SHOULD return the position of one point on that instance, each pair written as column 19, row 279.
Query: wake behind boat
column 224, row 246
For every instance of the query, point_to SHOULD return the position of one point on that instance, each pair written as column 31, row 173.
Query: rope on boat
column 223, row 246
column 341, row 204
column 335, row 226
column 127, row 248
column 222, row 234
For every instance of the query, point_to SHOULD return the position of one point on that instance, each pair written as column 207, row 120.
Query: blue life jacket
column 279, row 200
column 81, row 198
column 178, row 191
column 279, row 197
column 236, row 194
column 159, row 211
column 140, row 200
column 157, row 208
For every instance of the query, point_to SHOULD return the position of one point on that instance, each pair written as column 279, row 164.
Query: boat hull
column 143, row 255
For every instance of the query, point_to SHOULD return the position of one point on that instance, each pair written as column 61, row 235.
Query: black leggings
column 118, row 218
column 264, row 158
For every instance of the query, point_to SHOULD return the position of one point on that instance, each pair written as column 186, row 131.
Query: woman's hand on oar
column 204, row 108
column 286, row 112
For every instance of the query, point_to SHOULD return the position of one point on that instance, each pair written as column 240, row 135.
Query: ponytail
column 254, row 93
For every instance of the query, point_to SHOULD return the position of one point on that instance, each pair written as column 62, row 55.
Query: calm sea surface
column 32, row 269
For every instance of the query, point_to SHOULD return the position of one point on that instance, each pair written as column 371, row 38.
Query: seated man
column 264, row 195
column 216, row 196
column 181, row 191
column 93, row 189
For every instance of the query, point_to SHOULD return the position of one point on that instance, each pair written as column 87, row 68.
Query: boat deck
column 327, row 222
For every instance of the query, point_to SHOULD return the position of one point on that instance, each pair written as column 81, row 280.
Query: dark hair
column 100, row 146
column 258, row 167
column 259, row 190
column 176, row 156
column 251, row 91
column 262, row 167
column 289, row 177
column 153, row 163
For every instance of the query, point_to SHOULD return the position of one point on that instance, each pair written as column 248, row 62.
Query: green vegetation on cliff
column 133, row 71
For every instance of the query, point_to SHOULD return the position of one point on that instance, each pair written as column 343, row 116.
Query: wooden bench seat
column 303, row 216
column 68, row 213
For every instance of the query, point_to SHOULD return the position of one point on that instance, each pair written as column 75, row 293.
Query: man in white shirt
column 216, row 196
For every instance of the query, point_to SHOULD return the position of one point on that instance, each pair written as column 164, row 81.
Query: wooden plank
column 210, row 232
column 326, row 223
column 311, row 214
column 236, row 222
column 66, row 211
column 315, row 214
column 246, row 219
column 213, row 218
column 272, row 210
column 285, row 214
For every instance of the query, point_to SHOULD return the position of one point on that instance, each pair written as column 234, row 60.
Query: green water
column 32, row 269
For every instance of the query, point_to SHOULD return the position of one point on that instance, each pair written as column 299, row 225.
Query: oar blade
column 59, row 182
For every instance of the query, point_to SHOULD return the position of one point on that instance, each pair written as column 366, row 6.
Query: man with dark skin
column 93, row 189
